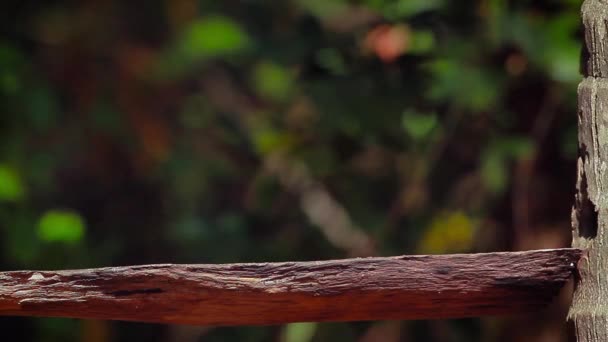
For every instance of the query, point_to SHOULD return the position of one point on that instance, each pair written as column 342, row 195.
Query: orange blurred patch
column 388, row 42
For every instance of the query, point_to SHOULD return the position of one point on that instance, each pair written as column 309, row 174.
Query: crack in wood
column 124, row 293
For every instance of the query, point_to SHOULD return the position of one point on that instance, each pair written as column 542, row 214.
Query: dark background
column 233, row 131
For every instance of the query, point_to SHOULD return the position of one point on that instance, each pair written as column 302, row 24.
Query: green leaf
column 63, row 226
column 468, row 87
column 323, row 8
column 551, row 44
column 10, row 67
column 421, row 42
column 494, row 172
column 213, row 37
column 42, row 107
column 9, row 82
column 300, row 332
column 418, row 126
column 448, row 232
column 407, row 8
column 272, row 80
column 19, row 238
column 515, row 147
column 11, row 186
column 332, row 60
column 267, row 139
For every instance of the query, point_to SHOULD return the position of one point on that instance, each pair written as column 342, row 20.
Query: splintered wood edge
column 379, row 288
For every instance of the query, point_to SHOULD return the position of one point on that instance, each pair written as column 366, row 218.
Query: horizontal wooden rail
column 403, row 287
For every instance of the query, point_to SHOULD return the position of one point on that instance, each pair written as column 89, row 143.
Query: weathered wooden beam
column 589, row 309
column 403, row 287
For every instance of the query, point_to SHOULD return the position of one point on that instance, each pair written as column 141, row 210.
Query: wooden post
column 589, row 309
column 405, row 287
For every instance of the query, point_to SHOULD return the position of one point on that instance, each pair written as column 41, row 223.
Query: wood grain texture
column 404, row 287
column 589, row 309
column 595, row 19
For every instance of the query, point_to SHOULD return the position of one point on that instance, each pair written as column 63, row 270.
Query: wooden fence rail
column 403, row 287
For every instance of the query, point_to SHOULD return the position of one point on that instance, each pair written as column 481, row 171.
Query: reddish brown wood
column 403, row 287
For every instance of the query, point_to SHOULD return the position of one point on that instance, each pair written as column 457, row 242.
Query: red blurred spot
column 388, row 42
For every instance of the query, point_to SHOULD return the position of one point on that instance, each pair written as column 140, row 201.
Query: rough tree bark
column 589, row 309
column 405, row 287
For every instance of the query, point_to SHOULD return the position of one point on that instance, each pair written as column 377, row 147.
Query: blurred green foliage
column 232, row 131
column 61, row 226
column 300, row 332
column 419, row 126
column 11, row 185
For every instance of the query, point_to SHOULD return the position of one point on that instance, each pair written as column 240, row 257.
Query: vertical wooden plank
column 589, row 309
